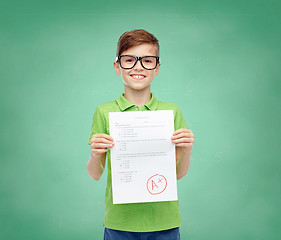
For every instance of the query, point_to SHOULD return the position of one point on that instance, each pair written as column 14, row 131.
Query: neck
column 138, row 98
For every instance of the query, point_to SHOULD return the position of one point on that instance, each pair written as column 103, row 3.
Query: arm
column 96, row 163
column 184, row 139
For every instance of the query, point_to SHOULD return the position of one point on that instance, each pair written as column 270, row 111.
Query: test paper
column 143, row 163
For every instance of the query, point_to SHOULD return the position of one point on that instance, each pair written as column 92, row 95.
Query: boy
column 137, row 61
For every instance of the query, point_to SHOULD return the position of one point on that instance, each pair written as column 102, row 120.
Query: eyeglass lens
column 129, row 62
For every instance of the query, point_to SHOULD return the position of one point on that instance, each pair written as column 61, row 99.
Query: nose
column 138, row 65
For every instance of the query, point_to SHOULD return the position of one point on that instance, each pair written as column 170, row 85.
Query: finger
column 102, row 135
column 101, row 140
column 185, row 145
column 183, row 135
column 182, row 130
column 99, row 150
column 183, row 140
column 101, row 145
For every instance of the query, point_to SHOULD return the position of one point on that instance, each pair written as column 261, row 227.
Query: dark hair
column 134, row 38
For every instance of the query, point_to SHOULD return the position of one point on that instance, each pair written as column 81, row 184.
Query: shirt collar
column 153, row 103
column 124, row 104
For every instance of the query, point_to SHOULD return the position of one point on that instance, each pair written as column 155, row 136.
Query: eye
column 147, row 61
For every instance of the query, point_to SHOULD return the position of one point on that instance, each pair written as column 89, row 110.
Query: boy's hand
column 100, row 143
column 183, row 138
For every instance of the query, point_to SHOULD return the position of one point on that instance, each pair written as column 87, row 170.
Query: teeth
column 138, row 76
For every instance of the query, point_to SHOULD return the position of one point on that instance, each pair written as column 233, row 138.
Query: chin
column 138, row 88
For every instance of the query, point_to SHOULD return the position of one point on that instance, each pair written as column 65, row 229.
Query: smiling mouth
column 137, row 76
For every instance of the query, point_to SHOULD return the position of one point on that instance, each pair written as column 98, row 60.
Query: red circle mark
column 152, row 182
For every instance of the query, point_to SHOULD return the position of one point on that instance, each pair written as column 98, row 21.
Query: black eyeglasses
column 147, row 62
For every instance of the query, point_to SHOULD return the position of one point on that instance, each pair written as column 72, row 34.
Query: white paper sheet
column 143, row 163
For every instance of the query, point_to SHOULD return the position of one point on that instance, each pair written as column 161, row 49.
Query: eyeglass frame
column 137, row 59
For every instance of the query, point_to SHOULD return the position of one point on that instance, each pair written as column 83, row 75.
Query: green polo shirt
column 136, row 217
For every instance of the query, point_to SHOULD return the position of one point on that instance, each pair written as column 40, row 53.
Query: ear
column 157, row 69
column 116, row 67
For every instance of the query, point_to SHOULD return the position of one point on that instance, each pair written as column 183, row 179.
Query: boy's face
column 138, row 78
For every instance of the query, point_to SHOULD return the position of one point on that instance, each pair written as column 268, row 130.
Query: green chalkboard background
column 220, row 64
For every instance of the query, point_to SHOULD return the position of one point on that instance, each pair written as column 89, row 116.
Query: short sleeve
column 179, row 119
column 98, row 125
